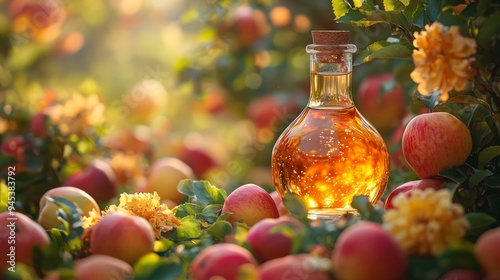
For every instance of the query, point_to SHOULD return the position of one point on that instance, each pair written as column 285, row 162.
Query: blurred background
column 210, row 82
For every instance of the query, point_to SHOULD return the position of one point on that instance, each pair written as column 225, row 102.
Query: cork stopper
column 330, row 37
column 329, row 53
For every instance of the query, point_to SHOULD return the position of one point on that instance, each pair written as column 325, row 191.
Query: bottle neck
column 331, row 75
column 331, row 90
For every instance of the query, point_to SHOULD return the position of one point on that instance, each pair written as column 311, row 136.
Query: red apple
column 37, row 125
column 300, row 266
column 37, row 20
column 275, row 238
column 383, row 109
column 461, row 274
column 214, row 101
column 198, row 159
column 492, row 276
column 366, row 251
column 249, row 25
column 145, row 99
column 69, row 44
column 398, row 161
column 274, row 110
column 249, row 204
column 487, row 250
column 47, row 217
column 102, row 267
column 18, row 236
column 98, row 180
column 279, row 203
column 221, row 261
column 137, row 140
column 123, row 236
column 406, row 188
column 164, row 176
column 435, row 141
column 15, row 146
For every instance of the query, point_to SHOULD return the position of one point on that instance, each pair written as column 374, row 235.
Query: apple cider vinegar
column 330, row 153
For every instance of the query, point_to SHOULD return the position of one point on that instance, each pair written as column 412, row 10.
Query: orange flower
column 442, row 59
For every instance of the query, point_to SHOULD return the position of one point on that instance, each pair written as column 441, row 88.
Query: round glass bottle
column 330, row 153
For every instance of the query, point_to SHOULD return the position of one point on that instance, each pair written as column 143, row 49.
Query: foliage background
column 220, row 84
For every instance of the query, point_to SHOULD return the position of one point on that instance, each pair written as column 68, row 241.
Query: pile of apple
column 275, row 245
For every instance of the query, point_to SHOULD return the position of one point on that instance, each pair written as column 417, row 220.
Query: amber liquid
column 330, row 154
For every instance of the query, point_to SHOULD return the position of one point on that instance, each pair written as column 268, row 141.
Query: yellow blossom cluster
column 426, row 221
column 127, row 167
column 78, row 114
column 144, row 205
column 442, row 59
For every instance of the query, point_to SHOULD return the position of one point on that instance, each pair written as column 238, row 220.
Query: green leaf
column 52, row 255
column 7, row 160
column 402, row 72
column 359, row 18
column 492, row 182
column 459, row 255
column 383, row 50
column 69, row 213
column 212, row 210
column 357, row 3
column 479, row 223
column 430, row 101
column 340, row 8
column 488, row 31
column 146, row 265
column 452, row 2
column 4, row 196
column 220, row 229
column 207, row 194
column 210, row 213
column 356, row 18
column 391, row 5
column 152, row 266
column 423, row 267
column 296, row 206
column 433, row 10
column 224, row 216
column 187, row 209
column 479, row 176
column 189, row 229
column 366, row 209
column 487, row 154
column 470, row 11
column 163, row 245
column 186, row 187
column 483, row 6
column 450, row 19
column 456, row 174
column 410, row 10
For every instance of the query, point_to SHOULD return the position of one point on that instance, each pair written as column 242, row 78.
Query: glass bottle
column 330, row 153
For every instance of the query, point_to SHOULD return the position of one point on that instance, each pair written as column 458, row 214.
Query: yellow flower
column 426, row 221
column 145, row 205
column 127, row 167
column 92, row 219
column 78, row 114
column 442, row 59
